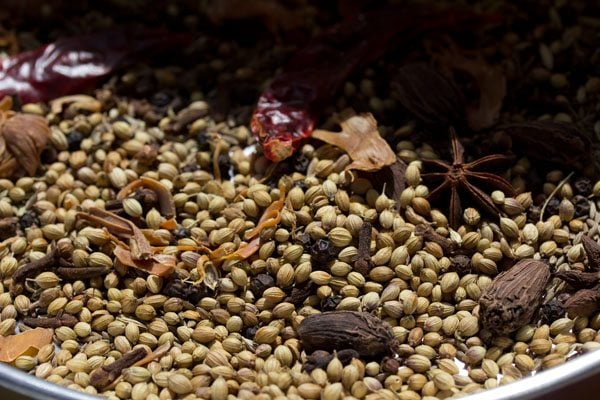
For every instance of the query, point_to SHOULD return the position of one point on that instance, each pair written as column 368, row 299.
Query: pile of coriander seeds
column 235, row 334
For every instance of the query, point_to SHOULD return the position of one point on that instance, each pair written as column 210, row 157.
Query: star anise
column 462, row 177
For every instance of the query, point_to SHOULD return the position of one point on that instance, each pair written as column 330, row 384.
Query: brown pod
column 337, row 330
column 583, row 303
column 514, row 296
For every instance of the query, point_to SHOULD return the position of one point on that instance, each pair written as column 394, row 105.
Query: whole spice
column 460, row 175
column 363, row 263
column 26, row 343
column 489, row 79
column 260, row 283
column 428, row 234
column 105, row 375
column 23, row 137
column 300, row 292
column 514, row 296
column 138, row 244
column 361, row 140
column 75, row 273
column 159, row 264
column 75, row 64
column 564, row 143
column 429, row 96
column 32, row 268
column 286, row 112
column 338, row 330
column 8, row 227
column 163, row 195
column 51, row 322
column 586, row 300
column 321, row 358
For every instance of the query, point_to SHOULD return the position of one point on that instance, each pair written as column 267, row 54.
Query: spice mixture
column 255, row 200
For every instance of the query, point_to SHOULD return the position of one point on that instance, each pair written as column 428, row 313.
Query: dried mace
column 338, row 330
column 514, row 296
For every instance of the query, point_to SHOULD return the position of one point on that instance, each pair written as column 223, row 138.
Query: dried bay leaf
column 25, row 343
column 514, row 296
column 360, row 138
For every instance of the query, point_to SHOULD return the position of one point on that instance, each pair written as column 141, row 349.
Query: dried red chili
column 71, row 65
column 286, row 111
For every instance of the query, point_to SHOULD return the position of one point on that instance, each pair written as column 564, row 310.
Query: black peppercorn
column 28, row 219
column 330, row 303
column 583, row 186
column 461, row 264
column 322, row 251
column 582, row 206
column 74, row 139
column 260, row 283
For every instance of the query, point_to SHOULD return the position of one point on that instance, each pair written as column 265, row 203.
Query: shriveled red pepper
column 71, row 65
column 286, row 112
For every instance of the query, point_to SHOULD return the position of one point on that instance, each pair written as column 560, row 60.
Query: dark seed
column 29, row 219
column 180, row 232
column 250, row 332
column 390, row 365
column 176, row 288
column 190, row 167
column 330, row 303
column 346, row 355
column 461, row 264
column 74, row 140
column 582, row 206
column 534, row 213
column 300, row 163
column 552, row 206
column 583, row 186
column 300, row 293
column 260, row 283
column 321, row 252
column 304, row 240
column 341, row 330
column 317, row 359
column 551, row 311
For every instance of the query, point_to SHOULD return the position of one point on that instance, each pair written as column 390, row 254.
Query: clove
column 363, row 263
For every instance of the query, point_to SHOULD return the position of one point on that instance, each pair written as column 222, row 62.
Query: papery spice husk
column 23, row 137
column 359, row 138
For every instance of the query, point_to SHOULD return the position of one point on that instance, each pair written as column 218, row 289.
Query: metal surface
column 543, row 383
column 26, row 386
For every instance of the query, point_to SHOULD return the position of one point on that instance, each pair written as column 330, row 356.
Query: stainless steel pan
column 23, row 386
